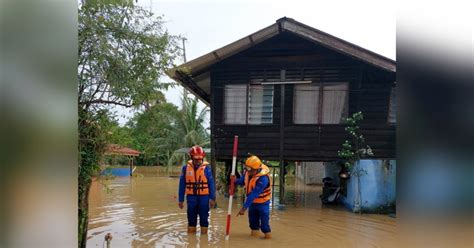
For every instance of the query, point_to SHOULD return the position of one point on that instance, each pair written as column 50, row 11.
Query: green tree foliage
column 158, row 131
column 123, row 51
column 151, row 126
column 188, row 131
column 354, row 149
column 190, row 125
column 91, row 144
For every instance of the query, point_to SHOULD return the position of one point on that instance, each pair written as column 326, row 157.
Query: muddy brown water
column 143, row 212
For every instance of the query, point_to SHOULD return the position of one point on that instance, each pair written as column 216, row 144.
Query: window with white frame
column 235, row 103
column 327, row 104
column 392, row 111
column 258, row 108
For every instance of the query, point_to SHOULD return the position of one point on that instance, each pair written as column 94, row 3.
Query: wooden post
column 282, row 181
column 273, row 183
column 213, row 160
column 282, row 137
column 359, row 87
column 108, row 239
column 213, row 138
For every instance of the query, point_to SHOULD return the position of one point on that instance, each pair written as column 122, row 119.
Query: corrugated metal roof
column 194, row 75
column 114, row 149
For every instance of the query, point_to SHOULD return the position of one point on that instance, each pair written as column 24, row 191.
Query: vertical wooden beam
column 321, row 95
column 130, row 163
column 282, row 137
column 242, row 148
column 213, row 139
column 273, row 183
column 247, row 94
column 359, row 87
column 320, row 103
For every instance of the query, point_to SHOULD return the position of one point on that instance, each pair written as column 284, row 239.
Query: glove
column 241, row 211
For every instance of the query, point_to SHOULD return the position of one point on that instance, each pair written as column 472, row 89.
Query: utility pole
column 184, row 50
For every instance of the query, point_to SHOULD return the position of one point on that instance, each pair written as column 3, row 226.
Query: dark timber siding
column 301, row 60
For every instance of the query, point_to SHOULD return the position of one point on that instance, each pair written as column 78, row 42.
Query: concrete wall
column 377, row 186
column 310, row 172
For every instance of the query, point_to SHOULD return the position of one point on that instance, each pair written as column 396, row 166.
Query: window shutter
column 235, row 104
column 260, row 104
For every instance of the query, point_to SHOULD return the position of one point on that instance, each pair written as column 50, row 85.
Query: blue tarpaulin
column 120, row 172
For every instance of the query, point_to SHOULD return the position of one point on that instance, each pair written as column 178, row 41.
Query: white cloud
column 209, row 25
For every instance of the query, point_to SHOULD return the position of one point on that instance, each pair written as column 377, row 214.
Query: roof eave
column 203, row 63
column 181, row 77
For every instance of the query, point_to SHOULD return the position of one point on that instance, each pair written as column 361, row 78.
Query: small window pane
column 306, row 99
column 235, row 104
column 335, row 103
column 260, row 104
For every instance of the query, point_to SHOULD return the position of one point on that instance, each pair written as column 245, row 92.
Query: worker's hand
column 212, row 203
column 180, row 204
column 241, row 212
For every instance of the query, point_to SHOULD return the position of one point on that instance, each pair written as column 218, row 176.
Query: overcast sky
column 209, row 25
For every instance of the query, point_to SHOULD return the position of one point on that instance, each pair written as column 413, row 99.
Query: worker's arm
column 211, row 185
column 262, row 183
column 182, row 184
column 240, row 181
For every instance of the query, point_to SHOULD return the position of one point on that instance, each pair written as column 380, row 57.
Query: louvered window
column 260, row 104
column 258, row 108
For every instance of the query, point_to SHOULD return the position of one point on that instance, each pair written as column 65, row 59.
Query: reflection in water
column 143, row 212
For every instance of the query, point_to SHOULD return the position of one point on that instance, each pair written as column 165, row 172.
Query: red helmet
column 197, row 152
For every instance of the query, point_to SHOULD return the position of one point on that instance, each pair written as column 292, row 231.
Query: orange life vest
column 250, row 184
column 196, row 180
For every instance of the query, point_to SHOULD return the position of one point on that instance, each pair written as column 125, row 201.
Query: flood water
column 143, row 212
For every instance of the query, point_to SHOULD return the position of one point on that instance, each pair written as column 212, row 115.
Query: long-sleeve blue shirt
column 210, row 180
column 260, row 186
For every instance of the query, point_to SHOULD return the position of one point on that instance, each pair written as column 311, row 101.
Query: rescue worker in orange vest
column 197, row 183
column 257, row 183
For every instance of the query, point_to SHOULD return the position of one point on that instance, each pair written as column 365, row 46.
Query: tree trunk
column 83, row 212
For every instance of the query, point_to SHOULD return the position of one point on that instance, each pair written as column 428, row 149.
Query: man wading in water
column 256, row 181
column 197, row 182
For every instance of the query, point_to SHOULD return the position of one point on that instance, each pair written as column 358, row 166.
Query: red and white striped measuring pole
column 231, row 187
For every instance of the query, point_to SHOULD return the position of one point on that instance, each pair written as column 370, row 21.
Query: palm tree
column 192, row 123
column 188, row 130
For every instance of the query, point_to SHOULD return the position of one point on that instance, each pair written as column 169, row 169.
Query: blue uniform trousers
column 198, row 205
column 259, row 216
